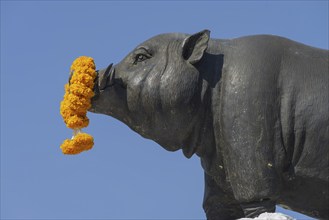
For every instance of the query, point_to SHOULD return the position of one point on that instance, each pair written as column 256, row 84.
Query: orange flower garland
column 76, row 102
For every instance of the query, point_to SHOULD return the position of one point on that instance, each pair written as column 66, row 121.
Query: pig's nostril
column 111, row 77
column 103, row 77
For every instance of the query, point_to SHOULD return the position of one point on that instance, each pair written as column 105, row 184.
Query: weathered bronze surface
column 255, row 109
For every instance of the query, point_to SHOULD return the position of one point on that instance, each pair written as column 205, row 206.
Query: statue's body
column 254, row 109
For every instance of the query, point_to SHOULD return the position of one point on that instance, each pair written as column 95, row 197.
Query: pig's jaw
column 195, row 141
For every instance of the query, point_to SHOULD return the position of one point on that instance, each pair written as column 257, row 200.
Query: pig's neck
column 201, row 138
column 210, row 68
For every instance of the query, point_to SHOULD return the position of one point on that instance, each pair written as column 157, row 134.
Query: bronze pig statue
column 255, row 110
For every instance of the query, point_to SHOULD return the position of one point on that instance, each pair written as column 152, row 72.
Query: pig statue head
column 157, row 90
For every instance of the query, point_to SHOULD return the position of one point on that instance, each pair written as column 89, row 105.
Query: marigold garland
column 76, row 102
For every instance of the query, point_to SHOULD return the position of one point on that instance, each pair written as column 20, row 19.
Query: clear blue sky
column 124, row 176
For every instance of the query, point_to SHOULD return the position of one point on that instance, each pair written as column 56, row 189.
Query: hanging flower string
column 76, row 102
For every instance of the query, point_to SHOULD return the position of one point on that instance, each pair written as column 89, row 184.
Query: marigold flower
column 85, row 79
column 82, row 90
column 80, row 142
column 77, row 122
column 76, row 102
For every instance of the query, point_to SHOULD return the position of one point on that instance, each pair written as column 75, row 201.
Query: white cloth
column 270, row 216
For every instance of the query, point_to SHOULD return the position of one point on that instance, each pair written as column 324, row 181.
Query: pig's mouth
column 105, row 81
column 107, row 78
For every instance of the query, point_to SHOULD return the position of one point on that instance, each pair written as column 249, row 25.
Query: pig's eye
column 140, row 57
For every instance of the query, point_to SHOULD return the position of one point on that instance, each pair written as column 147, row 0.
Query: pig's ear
column 195, row 45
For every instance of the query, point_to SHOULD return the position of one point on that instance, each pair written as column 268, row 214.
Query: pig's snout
column 106, row 77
